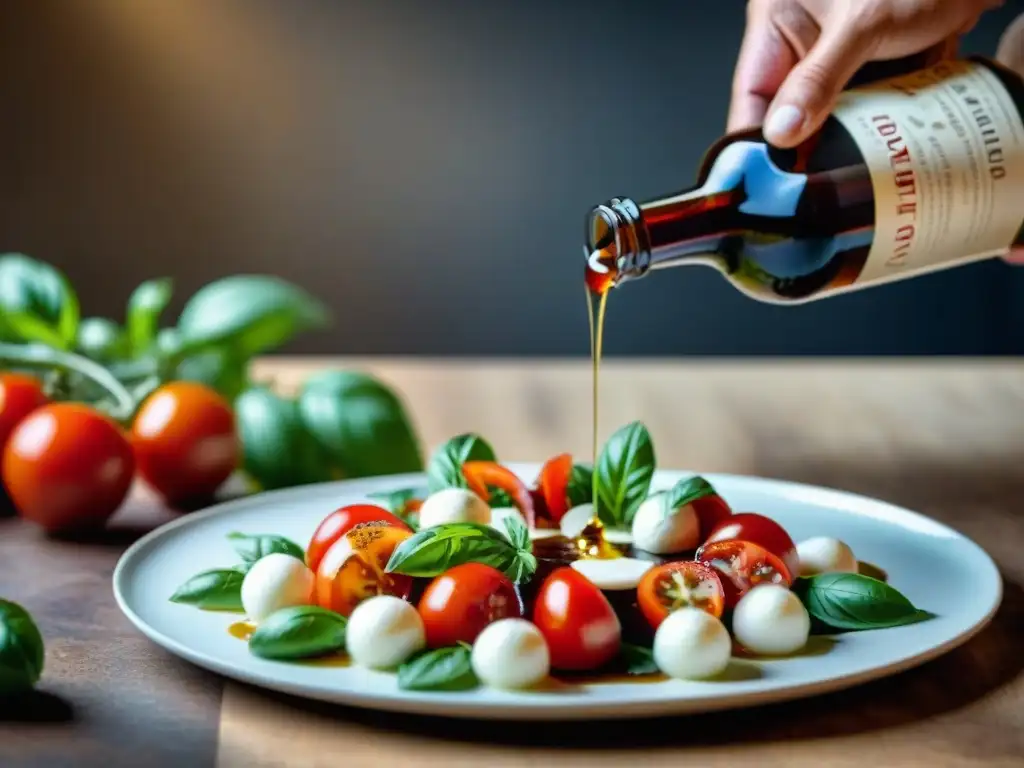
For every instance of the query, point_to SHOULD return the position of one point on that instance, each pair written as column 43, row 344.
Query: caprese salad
column 480, row 579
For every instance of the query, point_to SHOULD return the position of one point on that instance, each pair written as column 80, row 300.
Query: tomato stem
column 39, row 356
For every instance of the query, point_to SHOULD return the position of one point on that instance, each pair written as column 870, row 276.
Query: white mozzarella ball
column 575, row 520
column 511, row 654
column 663, row 531
column 454, row 505
column 383, row 631
column 691, row 644
column 771, row 621
column 823, row 554
column 274, row 582
column 615, row 574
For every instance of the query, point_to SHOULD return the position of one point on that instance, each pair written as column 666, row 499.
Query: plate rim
column 540, row 709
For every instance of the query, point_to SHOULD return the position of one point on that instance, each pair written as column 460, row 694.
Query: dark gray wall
column 424, row 167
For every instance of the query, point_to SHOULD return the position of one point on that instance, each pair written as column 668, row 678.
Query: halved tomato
column 669, row 587
column 553, row 483
column 352, row 569
column 742, row 565
column 483, row 475
column 760, row 530
column 340, row 522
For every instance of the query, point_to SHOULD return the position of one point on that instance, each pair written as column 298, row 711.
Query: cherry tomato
column 67, row 467
column 185, row 442
column 462, row 601
column 483, row 474
column 711, row 511
column 742, row 565
column 577, row 621
column 353, row 568
column 554, row 484
column 340, row 522
column 19, row 396
column 760, row 530
column 669, row 587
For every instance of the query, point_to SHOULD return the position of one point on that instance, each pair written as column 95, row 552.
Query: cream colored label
column 945, row 149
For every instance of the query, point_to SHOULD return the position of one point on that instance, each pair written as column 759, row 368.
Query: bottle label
column 945, row 150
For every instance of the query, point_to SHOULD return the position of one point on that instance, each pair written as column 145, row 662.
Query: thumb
column 809, row 92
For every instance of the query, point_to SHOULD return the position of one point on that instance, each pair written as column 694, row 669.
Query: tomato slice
column 483, row 474
column 676, row 585
column 353, row 569
column 554, row 483
column 340, row 522
column 743, row 565
column 760, row 530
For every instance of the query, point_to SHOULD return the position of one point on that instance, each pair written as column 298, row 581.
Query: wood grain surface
column 945, row 438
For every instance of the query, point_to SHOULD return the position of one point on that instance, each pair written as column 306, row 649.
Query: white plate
column 937, row 568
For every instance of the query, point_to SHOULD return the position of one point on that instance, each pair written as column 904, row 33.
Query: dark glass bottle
column 909, row 175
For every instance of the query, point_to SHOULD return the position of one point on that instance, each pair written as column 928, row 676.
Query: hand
column 798, row 55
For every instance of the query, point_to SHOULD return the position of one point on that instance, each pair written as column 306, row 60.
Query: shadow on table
column 36, row 707
column 988, row 662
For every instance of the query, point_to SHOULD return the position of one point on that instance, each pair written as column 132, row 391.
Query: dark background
column 423, row 167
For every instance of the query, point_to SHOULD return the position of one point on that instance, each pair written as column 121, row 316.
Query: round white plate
column 937, row 568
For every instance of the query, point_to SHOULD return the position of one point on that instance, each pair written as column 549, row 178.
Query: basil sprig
column 442, row 669
column 299, row 632
column 623, row 474
column 253, row 547
column 852, row 601
column 444, row 470
column 22, row 652
column 432, row 551
column 219, row 589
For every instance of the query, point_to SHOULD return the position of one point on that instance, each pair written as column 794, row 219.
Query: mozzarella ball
column 575, row 520
column 510, row 654
column 663, row 531
column 384, row 631
column 612, row 575
column 454, row 505
column 691, row 644
column 771, row 621
column 274, row 582
column 823, row 554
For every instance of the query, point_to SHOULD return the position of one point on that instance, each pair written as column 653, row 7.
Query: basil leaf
column 255, row 547
column 216, row 590
column 687, row 491
column 523, row 567
column 397, row 503
column 250, row 313
column 518, row 533
column 624, row 471
column 299, row 632
column 433, row 551
column 445, row 467
column 442, row 669
column 580, row 489
column 853, row 601
column 37, row 303
column 22, row 652
column 145, row 305
column 277, row 450
column 223, row 370
column 637, row 660
column 101, row 339
column 361, row 424
column 499, row 498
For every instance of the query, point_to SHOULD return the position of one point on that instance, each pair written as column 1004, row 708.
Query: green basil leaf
column 433, row 551
column 277, row 450
column 257, row 546
column 397, row 503
column 37, row 303
column 101, row 339
column 580, row 489
column 299, row 632
column 361, row 424
column 216, row 590
column 145, row 305
column 624, row 471
column 22, row 652
column 250, row 313
column 499, row 498
column 442, row 669
column 523, row 567
column 637, row 660
column 518, row 533
column 445, row 467
column 852, row 601
column 220, row 369
column 687, row 491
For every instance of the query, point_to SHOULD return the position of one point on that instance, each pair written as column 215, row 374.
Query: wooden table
column 946, row 438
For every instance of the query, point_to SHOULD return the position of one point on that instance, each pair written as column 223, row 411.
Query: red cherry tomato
column 711, row 511
column 340, row 522
column 457, row 605
column 760, row 530
column 553, row 482
column 577, row 621
column 67, row 467
column 353, row 568
column 669, row 587
column 19, row 396
column 185, row 441
column 742, row 565
column 483, row 474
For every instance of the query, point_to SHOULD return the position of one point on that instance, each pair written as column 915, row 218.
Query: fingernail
column 783, row 122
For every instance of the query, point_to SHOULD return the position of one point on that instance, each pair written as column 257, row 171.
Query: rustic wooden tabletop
column 944, row 438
